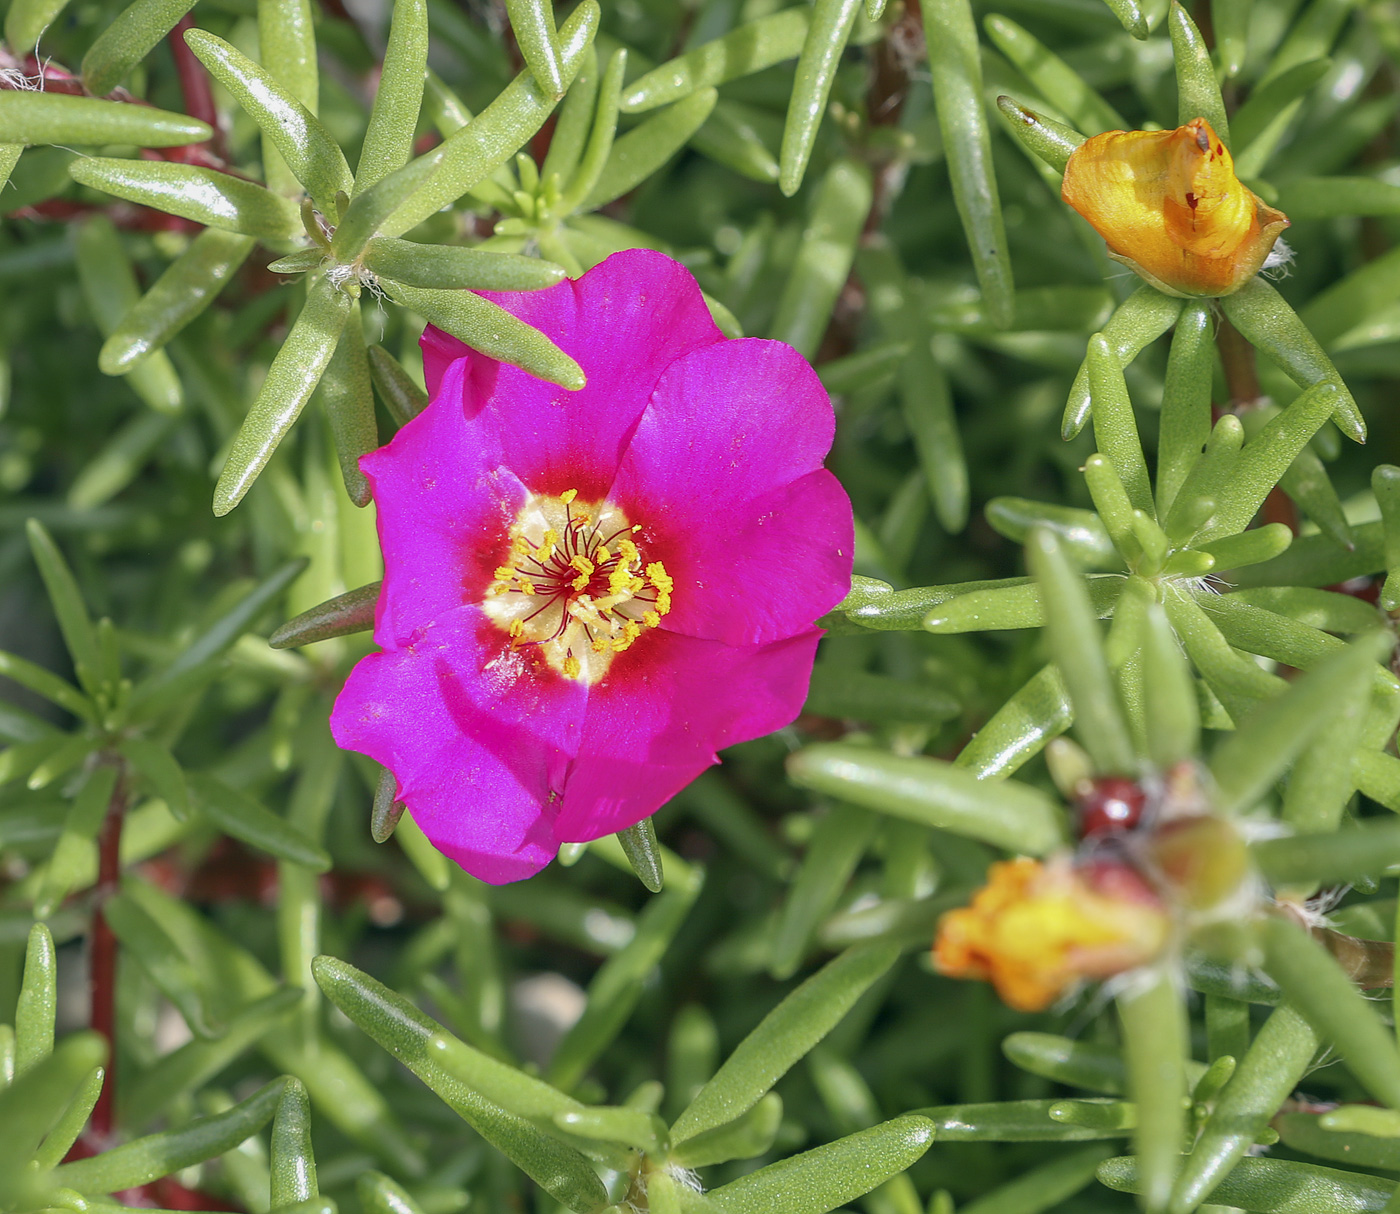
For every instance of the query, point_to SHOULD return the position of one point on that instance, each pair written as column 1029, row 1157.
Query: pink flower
column 588, row 593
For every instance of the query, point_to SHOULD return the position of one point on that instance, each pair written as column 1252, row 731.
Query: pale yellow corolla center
column 576, row 587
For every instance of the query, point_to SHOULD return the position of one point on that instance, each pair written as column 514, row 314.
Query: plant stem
column 1241, row 371
column 102, row 963
column 195, row 86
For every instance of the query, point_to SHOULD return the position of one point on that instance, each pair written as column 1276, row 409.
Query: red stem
column 194, row 84
column 102, row 966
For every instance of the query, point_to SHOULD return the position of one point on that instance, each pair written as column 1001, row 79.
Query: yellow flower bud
column 1035, row 931
column 1170, row 207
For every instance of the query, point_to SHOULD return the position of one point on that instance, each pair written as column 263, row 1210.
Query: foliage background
column 830, row 220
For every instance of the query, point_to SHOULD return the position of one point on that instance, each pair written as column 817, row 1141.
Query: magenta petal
column 625, row 322
column 783, row 562
column 666, row 706
column 725, row 475
column 444, row 508
column 440, row 351
column 478, row 740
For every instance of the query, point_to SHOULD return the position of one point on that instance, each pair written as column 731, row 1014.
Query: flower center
column 576, row 587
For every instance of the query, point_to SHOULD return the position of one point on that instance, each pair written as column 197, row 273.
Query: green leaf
column 1263, row 1080
column 393, row 119
column 33, row 1106
column 307, row 148
column 170, row 970
column 642, row 152
column 1185, row 424
column 290, row 380
column 1266, row 457
column 450, row 267
column 187, row 287
column 293, row 1160
column 59, row 118
column 827, row 33
column 1001, row 607
column 955, row 59
column 1256, row 754
column 824, row 259
column 65, row 1133
column 932, row 792
column 380, row 1195
column 643, row 853
column 349, row 399
column 532, row 23
column 1130, row 16
column 146, row 1159
column 1276, row 1186
column 38, row 1001
column 1009, row 1121
column 473, row 153
column 1081, row 532
column 1139, row 321
column 109, row 285
column 158, row 765
column 72, row 854
column 27, row 20
column 214, row 199
column 1115, row 428
column 838, row 692
column 829, row 1176
column 1079, row 1064
column 927, row 402
column 193, row 1064
column 1020, row 728
column 616, row 988
column 1042, row 1188
column 237, row 814
column 1267, row 322
column 1317, row 986
column 219, row 636
column 745, row 49
column 788, row 1032
column 1260, row 123
column 427, row 1050
column 1057, row 82
column 1042, row 137
column 1155, row 1040
column 489, row 328
column 128, row 39
column 402, row 397
column 1198, row 92
column 1075, row 645
column 45, row 683
column 834, row 851
column 1321, row 1137
column 1333, row 858
column 1329, row 197
column 1171, row 713
column 1248, row 547
column 743, row 1138
column 73, row 620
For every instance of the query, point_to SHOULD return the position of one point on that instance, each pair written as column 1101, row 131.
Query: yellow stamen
column 572, row 667
column 568, row 495
column 652, row 619
column 525, row 585
column 585, row 570
column 516, row 629
column 504, row 573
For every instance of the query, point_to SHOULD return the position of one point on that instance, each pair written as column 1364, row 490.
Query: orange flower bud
column 1037, row 930
column 1170, row 207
